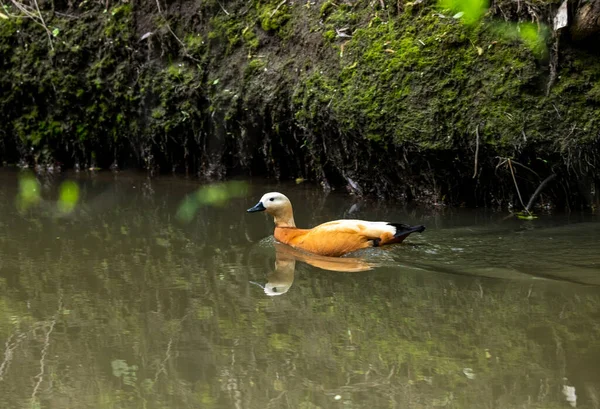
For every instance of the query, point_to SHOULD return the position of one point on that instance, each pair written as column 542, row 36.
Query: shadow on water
column 123, row 305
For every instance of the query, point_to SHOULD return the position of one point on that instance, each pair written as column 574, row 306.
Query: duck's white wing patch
column 362, row 227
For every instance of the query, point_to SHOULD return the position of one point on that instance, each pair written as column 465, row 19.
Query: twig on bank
column 175, row 35
column 34, row 14
column 43, row 23
column 502, row 162
column 277, row 8
column 525, row 167
column 223, row 8
column 537, row 191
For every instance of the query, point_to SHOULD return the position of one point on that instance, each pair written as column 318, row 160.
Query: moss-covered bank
column 387, row 98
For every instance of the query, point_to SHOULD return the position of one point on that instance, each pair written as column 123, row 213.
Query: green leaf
column 470, row 11
column 29, row 192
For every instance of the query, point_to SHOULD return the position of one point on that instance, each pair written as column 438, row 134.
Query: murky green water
column 120, row 305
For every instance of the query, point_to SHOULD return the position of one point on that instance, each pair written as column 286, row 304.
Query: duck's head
column 277, row 205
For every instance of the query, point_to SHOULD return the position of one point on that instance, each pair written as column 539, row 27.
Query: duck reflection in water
column 282, row 278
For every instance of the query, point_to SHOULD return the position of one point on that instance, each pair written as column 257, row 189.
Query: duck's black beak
column 258, row 208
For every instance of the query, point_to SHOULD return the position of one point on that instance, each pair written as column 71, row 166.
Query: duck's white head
column 277, row 205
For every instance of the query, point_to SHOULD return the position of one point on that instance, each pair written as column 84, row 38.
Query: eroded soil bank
column 396, row 99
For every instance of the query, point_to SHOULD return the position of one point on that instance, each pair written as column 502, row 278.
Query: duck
column 332, row 239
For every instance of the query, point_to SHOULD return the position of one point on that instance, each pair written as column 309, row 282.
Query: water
column 118, row 304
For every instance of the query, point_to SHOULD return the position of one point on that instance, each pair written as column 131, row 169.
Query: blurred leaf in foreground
column 68, row 196
column 534, row 36
column 216, row 194
column 29, row 192
column 469, row 11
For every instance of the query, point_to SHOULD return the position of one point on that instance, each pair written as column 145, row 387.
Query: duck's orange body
column 333, row 238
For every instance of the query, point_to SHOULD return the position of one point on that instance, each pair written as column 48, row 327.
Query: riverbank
column 384, row 98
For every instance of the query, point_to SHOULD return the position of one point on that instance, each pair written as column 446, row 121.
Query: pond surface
column 118, row 303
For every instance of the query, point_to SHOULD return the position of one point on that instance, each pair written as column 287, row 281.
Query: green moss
column 226, row 30
column 341, row 16
column 391, row 82
column 329, row 35
column 254, row 66
column 273, row 18
column 195, row 45
column 326, row 8
column 250, row 38
column 396, row 84
column 117, row 26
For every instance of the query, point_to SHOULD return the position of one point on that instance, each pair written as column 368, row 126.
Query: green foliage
column 329, row 35
column 345, row 74
column 218, row 194
column 68, row 196
column 326, row 8
column 29, row 192
column 469, row 11
column 30, row 196
column 534, row 36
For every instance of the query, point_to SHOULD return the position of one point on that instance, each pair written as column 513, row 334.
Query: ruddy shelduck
column 334, row 238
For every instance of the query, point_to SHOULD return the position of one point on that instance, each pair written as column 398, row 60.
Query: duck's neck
column 285, row 218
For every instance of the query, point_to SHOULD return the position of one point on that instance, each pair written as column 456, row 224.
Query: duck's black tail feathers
column 403, row 230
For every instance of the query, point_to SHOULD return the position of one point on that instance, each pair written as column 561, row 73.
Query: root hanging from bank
column 476, row 150
column 527, row 208
column 181, row 43
column 512, row 172
column 538, row 191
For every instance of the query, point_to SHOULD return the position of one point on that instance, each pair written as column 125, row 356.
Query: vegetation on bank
column 398, row 99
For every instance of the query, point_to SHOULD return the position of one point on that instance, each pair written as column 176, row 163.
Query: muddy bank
column 382, row 98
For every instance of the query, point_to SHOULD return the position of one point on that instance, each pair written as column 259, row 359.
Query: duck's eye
column 272, row 199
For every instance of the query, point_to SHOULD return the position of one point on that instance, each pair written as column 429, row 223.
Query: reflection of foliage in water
column 154, row 314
